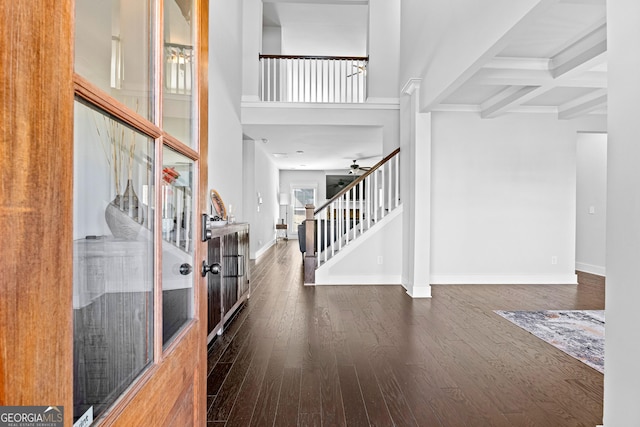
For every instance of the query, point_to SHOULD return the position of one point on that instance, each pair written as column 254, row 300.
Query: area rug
column 579, row 333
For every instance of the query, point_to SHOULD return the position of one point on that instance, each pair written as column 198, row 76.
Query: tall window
column 136, row 165
column 302, row 195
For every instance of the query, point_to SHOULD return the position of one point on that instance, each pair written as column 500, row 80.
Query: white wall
column 271, row 40
column 323, row 37
column 94, row 183
column 622, row 376
column 373, row 259
column 261, row 178
column 251, row 28
column 384, row 50
column 386, row 116
column 93, row 33
column 225, row 91
column 503, row 199
column 591, row 203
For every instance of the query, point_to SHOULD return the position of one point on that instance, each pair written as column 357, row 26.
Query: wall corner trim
column 412, row 85
column 421, row 291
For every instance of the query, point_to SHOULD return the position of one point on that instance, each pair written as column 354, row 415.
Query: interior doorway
column 591, row 203
column 301, row 195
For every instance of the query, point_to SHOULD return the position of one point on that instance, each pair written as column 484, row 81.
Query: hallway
column 371, row 355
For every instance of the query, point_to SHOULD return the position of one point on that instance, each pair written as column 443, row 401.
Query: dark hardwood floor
column 371, row 355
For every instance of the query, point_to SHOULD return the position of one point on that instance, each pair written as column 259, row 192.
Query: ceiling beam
column 504, row 100
column 585, row 2
column 582, row 55
column 511, row 77
column 506, row 71
column 583, row 105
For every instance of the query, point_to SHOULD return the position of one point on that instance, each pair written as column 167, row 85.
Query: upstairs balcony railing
column 178, row 68
column 321, row 79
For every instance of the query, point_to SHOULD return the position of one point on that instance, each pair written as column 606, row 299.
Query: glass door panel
column 177, row 242
column 301, row 196
column 113, row 251
column 112, row 49
column 178, row 102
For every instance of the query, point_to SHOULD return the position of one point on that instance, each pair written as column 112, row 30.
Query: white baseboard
column 263, row 249
column 384, row 101
column 551, row 279
column 422, row 291
column 251, row 98
column 357, row 280
column 590, row 268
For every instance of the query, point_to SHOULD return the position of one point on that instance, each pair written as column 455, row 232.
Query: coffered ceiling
column 553, row 63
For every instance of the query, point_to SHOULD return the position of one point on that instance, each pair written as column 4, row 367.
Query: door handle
column 185, row 269
column 206, row 233
column 214, row 268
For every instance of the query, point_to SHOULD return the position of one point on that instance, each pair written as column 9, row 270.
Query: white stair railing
column 357, row 208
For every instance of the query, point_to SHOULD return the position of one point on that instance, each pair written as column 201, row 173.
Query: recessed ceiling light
column 299, row 152
column 265, row 140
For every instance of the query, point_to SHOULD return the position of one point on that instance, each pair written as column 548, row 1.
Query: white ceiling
column 555, row 64
column 322, row 147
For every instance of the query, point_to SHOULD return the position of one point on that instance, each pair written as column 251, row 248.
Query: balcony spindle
column 297, row 78
column 397, row 192
column 361, row 193
column 389, row 188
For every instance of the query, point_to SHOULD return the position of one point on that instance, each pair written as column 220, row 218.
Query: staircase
column 354, row 211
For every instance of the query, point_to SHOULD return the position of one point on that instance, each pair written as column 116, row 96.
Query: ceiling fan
column 356, row 169
column 359, row 69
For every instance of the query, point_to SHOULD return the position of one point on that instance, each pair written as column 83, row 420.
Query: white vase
column 124, row 215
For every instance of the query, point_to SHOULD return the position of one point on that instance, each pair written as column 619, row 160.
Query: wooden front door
column 92, row 318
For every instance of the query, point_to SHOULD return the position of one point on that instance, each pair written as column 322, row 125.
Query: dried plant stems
column 121, row 153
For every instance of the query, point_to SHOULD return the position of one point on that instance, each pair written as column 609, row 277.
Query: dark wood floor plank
column 419, row 391
column 226, row 396
column 310, row 420
column 289, row 398
column 383, row 359
column 360, row 355
column 216, row 377
column 265, row 409
column 331, row 394
column 310, row 395
column 245, row 402
column 374, row 402
column 354, row 408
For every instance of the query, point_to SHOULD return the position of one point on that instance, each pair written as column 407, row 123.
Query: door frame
column 36, row 222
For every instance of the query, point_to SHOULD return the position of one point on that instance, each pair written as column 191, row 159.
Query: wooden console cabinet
column 230, row 288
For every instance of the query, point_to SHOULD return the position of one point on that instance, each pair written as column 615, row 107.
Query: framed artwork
column 217, row 206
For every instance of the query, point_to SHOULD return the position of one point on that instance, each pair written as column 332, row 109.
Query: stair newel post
column 310, row 249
